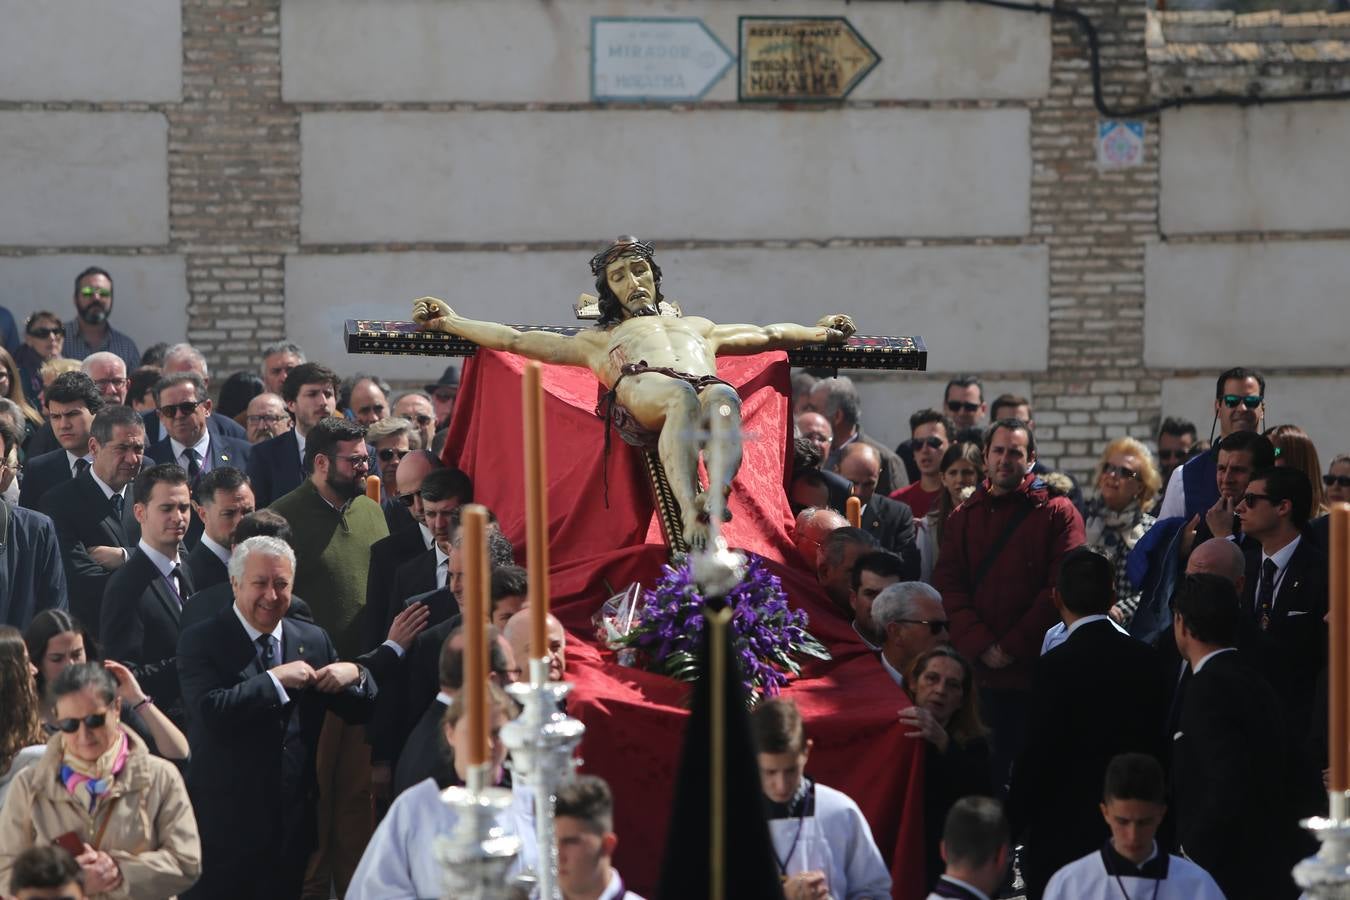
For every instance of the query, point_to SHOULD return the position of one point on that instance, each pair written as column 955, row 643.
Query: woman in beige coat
column 123, row 813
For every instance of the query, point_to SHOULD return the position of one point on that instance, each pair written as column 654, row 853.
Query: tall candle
column 1338, row 674
column 474, row 691
column 373, row 487
column 536, row 510
column 853, row 510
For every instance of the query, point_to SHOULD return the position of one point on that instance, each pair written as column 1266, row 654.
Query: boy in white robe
column 584, row 823
column 1130, row 863
column 401, row 862
column 823, row 845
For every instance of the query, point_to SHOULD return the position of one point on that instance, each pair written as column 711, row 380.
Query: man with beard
column 334, row 526
column 89, row 332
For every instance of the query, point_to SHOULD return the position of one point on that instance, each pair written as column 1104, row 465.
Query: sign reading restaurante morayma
column 801, row 58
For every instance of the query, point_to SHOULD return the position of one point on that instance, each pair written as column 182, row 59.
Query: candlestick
column 373, row 487
column 1338, row 673
column 473, row 544
column 853, row 512
column 536, row 510
column 478, row 852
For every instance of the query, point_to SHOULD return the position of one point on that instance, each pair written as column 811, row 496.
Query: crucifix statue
column 660, row 370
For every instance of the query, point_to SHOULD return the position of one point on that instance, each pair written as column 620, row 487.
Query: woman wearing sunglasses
column 1115, row 520
column 123, row 813
column 946, row 714
column 44, row 338
column 1337, row 480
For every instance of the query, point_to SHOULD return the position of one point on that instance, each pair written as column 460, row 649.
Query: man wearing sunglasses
column 180, row 359
column 1285, row 591
column 393, row 439
column 911, row 621
column 90, row 332
column 931, row 434
column 184, row 409
column 415, row 406
column 1239, row 405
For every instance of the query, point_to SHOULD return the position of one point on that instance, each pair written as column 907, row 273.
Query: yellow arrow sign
column 801, row 58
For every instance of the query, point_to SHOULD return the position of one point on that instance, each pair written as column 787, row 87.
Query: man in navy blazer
column 31, row 575
column 276, row 466
column 72, row 402
column 184, row 411
column 93, row 513
column 186, row 358
column 257, row 686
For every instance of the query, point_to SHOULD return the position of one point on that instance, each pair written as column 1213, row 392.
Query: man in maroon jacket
column 1000, row 557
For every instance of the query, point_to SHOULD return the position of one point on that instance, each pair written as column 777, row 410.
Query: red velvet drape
column 635, row 719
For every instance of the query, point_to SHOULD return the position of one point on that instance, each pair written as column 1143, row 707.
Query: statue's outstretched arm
column 435, row 315
column 734, row 340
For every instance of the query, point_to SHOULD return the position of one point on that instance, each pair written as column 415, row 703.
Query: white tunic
column 400, row 862
column 1087, row 879
column 836, row 841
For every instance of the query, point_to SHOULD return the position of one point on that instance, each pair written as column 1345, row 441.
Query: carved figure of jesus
column 661, row 371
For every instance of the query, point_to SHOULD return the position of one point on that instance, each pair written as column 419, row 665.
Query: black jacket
column 274, row 468
column 386, row 555
column 139, row 624
column 41, row 474
column 891, row 522
column 223, row 450
column 84, row 518
column 252, row 779
column 206, row 568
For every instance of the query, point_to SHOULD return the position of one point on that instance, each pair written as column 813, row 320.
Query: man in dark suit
column 182, row 358
column 1286, row 585
column 94, row 516
column 223, row 499
column 1231, row 754
column 72, row 401
column 442, row 493
column 184, row 410
column 206, row 602
column 387, row 554
column 31, row 576
column 276, row 466
column 144, row 599
column 1098, row 694
column 257, row 686
column 889, row 522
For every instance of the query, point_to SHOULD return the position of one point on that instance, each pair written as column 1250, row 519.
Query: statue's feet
column 696, row 534
column 703, row 506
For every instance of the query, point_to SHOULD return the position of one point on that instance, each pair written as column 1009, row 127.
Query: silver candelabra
column 542, row 740
column 1326, row 875
column 478, row 853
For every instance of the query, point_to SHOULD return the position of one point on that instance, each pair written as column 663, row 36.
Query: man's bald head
column 408, row 477
column 1221, row 557
column 517, row 634
column 812, row 526
column 816, row 429
column 861, row 464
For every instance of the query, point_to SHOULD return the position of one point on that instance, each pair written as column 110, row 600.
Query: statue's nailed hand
column 840, row 326
column 428, row 310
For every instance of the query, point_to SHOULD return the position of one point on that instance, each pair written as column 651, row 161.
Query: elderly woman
column 96, row 791
column 962, row 468
column 57, row 640
column 1114, row 520
column 1337, row 480
column 946, row 714
column 21, row 739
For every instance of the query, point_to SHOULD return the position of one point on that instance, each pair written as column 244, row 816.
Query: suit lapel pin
column 224, row 457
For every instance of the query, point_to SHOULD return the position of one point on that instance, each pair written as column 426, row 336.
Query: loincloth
column 633, row 432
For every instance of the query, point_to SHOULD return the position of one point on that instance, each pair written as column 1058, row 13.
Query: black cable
column 1094, row 52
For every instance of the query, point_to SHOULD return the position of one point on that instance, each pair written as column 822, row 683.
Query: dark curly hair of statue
column 611, row 311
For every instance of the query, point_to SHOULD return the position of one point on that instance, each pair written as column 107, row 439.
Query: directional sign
column 802, row 58
column 654, row 60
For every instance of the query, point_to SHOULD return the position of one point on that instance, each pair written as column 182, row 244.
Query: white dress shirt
column 891, row 670
column 203, row 448
column 442, row 568
column 1208, row 656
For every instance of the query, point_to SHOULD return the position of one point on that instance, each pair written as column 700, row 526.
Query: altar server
column 822, row 843
column 1130, row 864
column 584, row 824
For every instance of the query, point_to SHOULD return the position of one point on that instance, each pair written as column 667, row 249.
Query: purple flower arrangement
column 767, row 636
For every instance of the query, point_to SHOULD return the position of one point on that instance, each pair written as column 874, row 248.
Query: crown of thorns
column 623, row 246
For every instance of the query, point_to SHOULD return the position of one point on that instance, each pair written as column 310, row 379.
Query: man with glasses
column 415, row 406
column 335, row 524
column 265, row 418
column 931, row 433
column 1285, row 590
column 31, row 575
column 963, row 400
column 837, row 400
column 109, row 374
column 443, row 392
column 393, row 439
column 72, row 401
column 184, row 411
column 1177, row 438
column 910, row 618
column 276, row 466
column 90, row 332
column 183, row 358
column 1239, row 405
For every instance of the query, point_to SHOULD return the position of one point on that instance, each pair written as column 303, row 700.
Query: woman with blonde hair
column 12, row 388
column 1115, row 519
column 21, row 740
column 1295, row 449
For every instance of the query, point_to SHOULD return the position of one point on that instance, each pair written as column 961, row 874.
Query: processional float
column 479, row 854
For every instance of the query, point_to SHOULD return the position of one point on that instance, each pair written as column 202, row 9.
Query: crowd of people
column 1126, row 680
